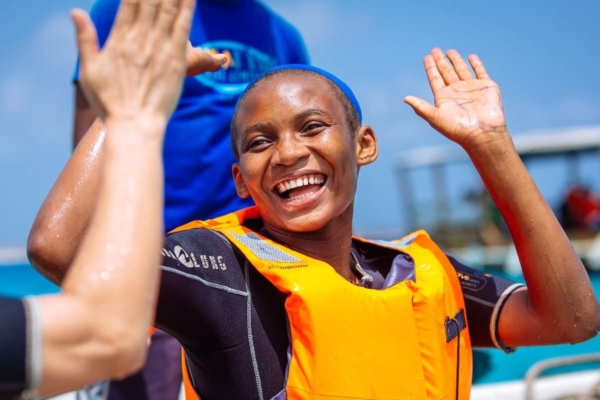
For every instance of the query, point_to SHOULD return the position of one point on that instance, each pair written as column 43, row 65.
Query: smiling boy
column 281, row 300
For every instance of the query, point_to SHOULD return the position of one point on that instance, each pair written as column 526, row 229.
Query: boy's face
column 298, row 159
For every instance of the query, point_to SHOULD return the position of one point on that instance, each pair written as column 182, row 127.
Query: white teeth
column 299, row 182
column 301, row 196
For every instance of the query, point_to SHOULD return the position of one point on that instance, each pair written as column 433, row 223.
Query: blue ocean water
column 503, row 367
column 23, row 280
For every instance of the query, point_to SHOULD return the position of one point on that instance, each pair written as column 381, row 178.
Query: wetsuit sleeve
column 198, row 266
column 102, row 13
column 20, row 341
column 485, row 295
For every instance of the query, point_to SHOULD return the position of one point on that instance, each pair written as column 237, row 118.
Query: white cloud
column 16, row 97
column 387, row 99
column 569, row 110
column 314, row 19
column 10, row 147
column 413, row 84
column 53, row 44
column 36, row 95
column 574, row 109
column 321, row 21
column 376, row 100
column 35, row 89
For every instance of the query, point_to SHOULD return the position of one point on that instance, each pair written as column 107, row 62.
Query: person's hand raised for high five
column 140, row 70
column 468, row 107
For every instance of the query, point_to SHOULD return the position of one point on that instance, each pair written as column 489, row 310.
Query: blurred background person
column 580, row 209
column 197, row 154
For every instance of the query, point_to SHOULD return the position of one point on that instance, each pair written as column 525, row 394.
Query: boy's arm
column 559, row 305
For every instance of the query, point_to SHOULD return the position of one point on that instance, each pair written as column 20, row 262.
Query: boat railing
column 538, row 368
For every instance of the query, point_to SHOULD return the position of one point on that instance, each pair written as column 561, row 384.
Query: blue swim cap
column 337, row 81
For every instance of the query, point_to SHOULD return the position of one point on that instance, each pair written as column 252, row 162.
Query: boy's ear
column 240, row 185
column 367, row 148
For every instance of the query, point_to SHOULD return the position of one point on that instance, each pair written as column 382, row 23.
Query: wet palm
column 466, row 107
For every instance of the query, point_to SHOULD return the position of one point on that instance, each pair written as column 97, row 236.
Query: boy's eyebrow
column 310, row 112
column 266, row 126
column 258, row 127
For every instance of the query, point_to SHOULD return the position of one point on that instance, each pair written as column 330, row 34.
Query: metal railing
column 536, row 370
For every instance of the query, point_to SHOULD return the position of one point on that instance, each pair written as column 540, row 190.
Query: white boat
column 456, row 223
column 13, row 255
column 573, row 386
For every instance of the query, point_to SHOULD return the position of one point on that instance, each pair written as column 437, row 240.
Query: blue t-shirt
column 197, row 152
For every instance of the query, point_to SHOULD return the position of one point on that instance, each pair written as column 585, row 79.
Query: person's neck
column 331, row 244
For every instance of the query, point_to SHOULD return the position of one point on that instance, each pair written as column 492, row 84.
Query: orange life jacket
column 419, row 347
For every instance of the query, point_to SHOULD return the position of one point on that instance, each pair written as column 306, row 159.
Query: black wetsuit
column 231, row 321
column 16, row 345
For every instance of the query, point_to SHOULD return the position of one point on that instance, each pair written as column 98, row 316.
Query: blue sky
column 544, row 54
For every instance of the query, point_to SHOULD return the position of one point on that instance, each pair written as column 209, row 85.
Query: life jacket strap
column 455, row 325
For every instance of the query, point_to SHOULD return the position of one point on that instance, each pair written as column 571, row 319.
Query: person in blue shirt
column 198, row 183
column 254, row 39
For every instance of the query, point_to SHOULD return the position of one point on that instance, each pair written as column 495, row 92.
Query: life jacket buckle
column 455, row 325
